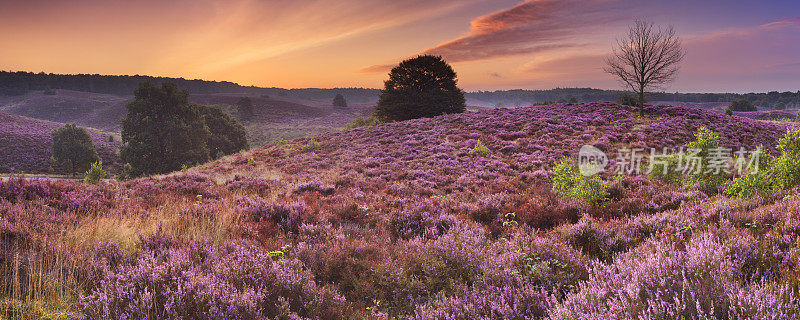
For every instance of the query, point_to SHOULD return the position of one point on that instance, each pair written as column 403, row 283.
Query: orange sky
column 492, row 44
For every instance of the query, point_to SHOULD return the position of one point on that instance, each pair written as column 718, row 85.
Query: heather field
column 27, row 145
column 451, row 217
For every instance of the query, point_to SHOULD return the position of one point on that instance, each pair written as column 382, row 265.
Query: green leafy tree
column 162, row 131
column 420, row 87
column 339, row 101
column 73, row 147
column 227, row 134
column 244, row 107
column 742, row 105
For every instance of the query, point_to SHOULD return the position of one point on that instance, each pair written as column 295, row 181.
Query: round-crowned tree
column 339, row 101
column 73, row 147
column 420, row 87
column 742, row 105
column 162, row 131
column 227, row 135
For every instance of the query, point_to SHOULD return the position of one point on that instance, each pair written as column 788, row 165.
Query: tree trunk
column 641, row 102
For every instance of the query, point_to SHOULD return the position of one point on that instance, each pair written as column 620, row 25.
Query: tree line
column 19, row 83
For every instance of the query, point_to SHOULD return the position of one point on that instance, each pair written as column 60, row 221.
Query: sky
column 731, row 46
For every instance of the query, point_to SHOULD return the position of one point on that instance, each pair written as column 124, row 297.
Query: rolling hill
column 27, row 145
column 404, row 220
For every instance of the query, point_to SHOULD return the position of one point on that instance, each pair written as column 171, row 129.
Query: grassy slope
column 27, row 144
column 402, row 219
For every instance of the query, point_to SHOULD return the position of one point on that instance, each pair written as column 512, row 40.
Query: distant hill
column 27, row 145
column 20, row 83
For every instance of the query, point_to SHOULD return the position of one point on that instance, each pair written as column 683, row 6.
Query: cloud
column 533, row 26
column 378, row 68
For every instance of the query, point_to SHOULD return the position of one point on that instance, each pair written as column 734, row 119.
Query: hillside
column 402, row 221
column 275, row 117
column 27, row 144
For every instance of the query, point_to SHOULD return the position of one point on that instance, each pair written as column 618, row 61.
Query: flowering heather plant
column 400, row 221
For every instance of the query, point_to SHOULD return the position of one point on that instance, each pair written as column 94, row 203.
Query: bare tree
column 646, row 59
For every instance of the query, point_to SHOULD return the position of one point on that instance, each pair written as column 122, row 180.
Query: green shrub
column 311, row 145
column 95, row 173
column 569, row 183
column 670, row 174
column 480, row 149
column 774, row 174
column 742, row 105
column 728, row 112
column 749, row 185
column 127, row 172
column 627, row 100
column 709, row 182
column 363, row 122
column 785, row 171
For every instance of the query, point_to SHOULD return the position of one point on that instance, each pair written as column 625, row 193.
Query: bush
column 708, row 181
column 339, row 102
column 742, row 105
column 480, row 149
column 244, row 107
column 73, row 147
column 570, row 183
column 95, row 173
column 728, row 112
column 627, row 100
column 311, row 145
column 667, row 171
column 749, row 185
column 363, row 122
column 785, row 171
column 421, row 87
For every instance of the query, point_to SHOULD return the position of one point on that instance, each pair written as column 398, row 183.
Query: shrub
column 244, row 107
column 728, row 112
column 480, row 149
column 627, row 100
column 363, row 122
column 420, row 87
column 95, row 173
column 749, row 185
column 311, row 145
column 785, row 170
column 570, row 183
column 742, row 105
column 73, row 146
column 339, row 102
column 667, row 171
column 709, row 181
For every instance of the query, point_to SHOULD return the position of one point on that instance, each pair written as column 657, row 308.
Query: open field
column 403, row 221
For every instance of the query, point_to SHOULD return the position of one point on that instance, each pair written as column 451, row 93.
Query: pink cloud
column 532, row 26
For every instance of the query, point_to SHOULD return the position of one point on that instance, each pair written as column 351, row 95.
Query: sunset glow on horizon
column 732, row 46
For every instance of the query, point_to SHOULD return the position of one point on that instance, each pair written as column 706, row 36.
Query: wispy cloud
column 533, row 26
